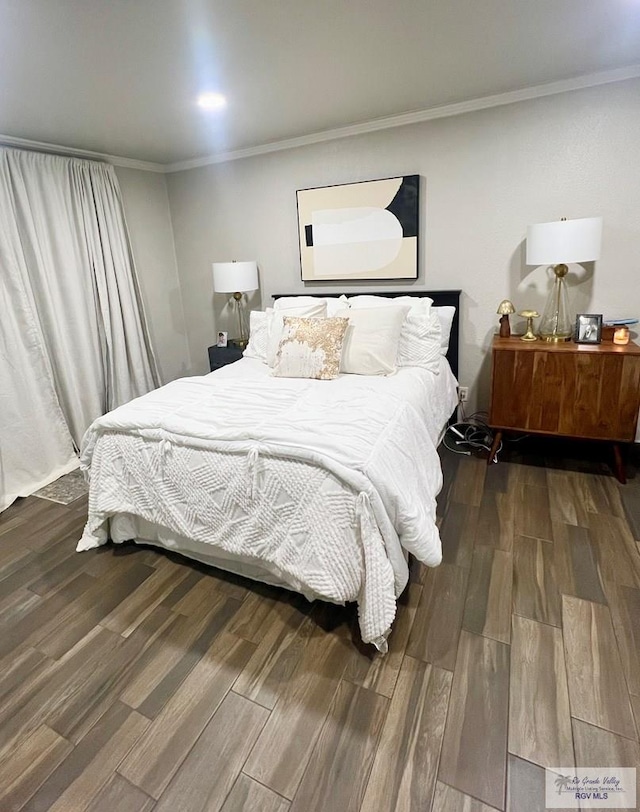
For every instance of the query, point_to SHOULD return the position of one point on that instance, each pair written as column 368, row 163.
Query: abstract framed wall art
column 366, row 230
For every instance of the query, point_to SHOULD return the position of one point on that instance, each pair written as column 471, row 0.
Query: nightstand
column 221, row 356
column 585, row 391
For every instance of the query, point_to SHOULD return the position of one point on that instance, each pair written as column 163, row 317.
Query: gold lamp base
column 243, row 340
column 555, row 325
column 555, row 339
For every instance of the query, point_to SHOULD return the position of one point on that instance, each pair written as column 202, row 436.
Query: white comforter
column 368, row 445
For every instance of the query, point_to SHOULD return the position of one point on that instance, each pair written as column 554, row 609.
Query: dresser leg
column 494, row 447
column 619, row 465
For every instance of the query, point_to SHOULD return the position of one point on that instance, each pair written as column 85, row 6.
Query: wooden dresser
column 587, row 391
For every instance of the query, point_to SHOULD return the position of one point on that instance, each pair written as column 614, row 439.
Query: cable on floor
column 470, row 433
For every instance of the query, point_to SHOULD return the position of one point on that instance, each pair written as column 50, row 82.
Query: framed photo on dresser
column 588, row 328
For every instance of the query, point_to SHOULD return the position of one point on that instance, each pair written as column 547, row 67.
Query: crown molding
column 386, row 123
column 442, row 111
column 72, row 152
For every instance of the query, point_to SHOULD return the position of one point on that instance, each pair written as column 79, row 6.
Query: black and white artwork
column 366, row 230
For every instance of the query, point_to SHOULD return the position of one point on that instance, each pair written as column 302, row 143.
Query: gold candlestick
column 529, row 315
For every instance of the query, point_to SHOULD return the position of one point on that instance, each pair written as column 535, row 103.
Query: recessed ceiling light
column 212, row 101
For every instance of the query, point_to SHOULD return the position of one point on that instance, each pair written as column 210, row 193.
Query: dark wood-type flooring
column 134, row 681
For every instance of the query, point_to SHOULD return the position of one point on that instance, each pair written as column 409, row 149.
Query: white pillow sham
column 416, row 304
column 445, row 314
column 419, row 344
column 258, row 335
column 314, row 308
column 295, row 303
column 371, row 342
column 333, row 303
column 310, row 348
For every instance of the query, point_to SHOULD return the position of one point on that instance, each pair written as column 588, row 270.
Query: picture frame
column 223, row 338
column 588, row 328
column 360, row 231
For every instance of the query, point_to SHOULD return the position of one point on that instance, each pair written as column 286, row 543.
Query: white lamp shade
column 564, row 241
column 235, row 277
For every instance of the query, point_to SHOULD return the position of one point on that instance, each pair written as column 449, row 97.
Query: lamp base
column 555, row 339
column 555, row 325
column 240, row 343
column 243, row 340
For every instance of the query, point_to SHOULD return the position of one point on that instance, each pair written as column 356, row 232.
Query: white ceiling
column 121, row 76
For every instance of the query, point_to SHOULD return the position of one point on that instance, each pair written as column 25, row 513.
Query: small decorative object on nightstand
column 588, row 328
column 621, row 334
column 221, row 356
column 504, row 309
column 617, row 330
column 529, row 315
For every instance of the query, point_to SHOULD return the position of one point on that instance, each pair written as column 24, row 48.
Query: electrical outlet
column 463, row 394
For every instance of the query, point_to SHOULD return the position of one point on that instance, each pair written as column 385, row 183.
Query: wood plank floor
column 132, row 680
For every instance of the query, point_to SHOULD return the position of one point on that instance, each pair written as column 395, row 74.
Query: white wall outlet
column 463, row 394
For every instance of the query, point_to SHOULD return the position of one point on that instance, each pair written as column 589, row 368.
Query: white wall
column 485, row 177
column 146, row 207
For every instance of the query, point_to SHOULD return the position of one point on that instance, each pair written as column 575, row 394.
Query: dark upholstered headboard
column 441, row 298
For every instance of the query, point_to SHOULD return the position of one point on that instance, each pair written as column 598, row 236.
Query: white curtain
column 35, row 444
column 74, row 343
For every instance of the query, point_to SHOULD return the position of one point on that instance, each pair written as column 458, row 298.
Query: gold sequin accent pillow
column 310, row 348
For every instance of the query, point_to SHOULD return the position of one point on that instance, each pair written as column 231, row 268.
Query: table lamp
column 236, row 278
column 558, row 244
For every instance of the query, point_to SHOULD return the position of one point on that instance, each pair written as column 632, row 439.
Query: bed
column 322, row 487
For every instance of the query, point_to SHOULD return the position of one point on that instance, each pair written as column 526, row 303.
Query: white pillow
column 258, row 335
column 335, row 304
column 315, row 308
column 419, row 344
column 295, row 303
column 445, row 314
column 416, row 304
column 371, row 341
column 310, row 348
